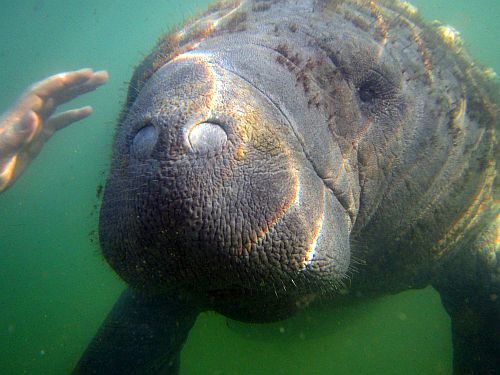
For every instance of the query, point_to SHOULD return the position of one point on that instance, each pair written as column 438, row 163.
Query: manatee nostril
column 144, row 142
column 207, row 137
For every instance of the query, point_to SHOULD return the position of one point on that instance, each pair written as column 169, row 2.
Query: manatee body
column 268, row 149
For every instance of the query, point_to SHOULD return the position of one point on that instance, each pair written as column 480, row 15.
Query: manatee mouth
column 248, row 305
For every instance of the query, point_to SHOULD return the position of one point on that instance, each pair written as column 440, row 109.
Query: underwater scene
column 55, row 286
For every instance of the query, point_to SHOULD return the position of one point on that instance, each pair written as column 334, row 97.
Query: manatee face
column 218, row 187
column 210, row 190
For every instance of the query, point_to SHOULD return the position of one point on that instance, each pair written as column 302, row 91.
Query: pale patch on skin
column 213, row 94
column 318, row 228
column 410, row 9
column 481, row 203
column 490, row 74
column 380, row 23
column 207, row 25
column 31, row 122
column 217, row 21
column 450, row 36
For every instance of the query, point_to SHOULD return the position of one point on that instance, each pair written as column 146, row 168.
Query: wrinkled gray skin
column 265, row 147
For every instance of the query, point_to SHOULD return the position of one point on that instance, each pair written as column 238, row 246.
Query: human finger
column 69, row 92
column 57, row 82
column 44, row 97
column 40, row 97
column 63, row 119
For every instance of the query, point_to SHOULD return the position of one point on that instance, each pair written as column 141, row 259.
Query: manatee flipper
column 469, row 286
column 141, row 335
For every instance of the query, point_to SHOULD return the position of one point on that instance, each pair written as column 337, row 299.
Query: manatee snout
column 210, row 190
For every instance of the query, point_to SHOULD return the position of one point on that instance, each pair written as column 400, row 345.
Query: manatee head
column 211, row 192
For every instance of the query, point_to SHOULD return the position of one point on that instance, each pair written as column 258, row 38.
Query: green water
column 55, row 289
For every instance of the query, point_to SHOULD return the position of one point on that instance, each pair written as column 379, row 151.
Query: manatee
column 273, row 155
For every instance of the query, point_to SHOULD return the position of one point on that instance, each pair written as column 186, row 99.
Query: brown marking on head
column 357, row 21
column 330, row 5
column 456, row 122
column 261, row 7
column 304, row 79
column 236, row 23
column 424, row 53
column 382, row 29
column 313, row 74
column 311, row 63
column 284, row 49
column 315, row 101
column 283, row 57
column 222, row 5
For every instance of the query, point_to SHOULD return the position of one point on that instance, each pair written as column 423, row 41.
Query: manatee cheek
column 320, row 227
column 328, row 253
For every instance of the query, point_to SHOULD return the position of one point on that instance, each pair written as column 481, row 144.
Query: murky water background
column 55, row 289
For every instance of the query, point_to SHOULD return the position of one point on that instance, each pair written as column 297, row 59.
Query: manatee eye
column 144, row 142
column 207, row 137
column 375, row 90
column 366, row 93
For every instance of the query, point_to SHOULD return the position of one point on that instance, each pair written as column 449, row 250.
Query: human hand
column 31, row 122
